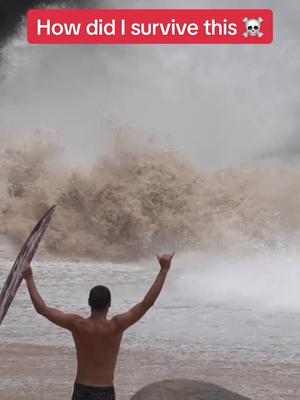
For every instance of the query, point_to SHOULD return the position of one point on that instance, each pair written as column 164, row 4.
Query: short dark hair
column 99, row 298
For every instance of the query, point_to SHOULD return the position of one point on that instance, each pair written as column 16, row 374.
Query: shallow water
column 218, row 319
column 188, row 319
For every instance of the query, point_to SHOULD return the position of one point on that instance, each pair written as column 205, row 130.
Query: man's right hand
column 165, row 261
column 129, row 318
column 27, row 272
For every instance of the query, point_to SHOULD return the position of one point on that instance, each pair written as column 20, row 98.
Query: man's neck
column 99, row 314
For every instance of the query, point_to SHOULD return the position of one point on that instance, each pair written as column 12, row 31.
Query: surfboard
column 24, row 257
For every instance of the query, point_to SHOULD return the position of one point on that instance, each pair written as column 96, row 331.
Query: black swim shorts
column 82, row 392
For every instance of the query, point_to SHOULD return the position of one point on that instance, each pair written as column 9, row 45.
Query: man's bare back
column 97, row 338
column 97, row 343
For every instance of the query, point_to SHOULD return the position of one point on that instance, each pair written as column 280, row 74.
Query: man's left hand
column 27, row 272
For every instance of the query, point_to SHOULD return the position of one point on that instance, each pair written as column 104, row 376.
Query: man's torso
column 97, row 344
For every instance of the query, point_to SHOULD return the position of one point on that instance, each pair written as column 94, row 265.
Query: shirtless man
column 97, row 338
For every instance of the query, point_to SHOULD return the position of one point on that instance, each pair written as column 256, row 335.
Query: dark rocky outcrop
column 185, row 390
column 11, row 12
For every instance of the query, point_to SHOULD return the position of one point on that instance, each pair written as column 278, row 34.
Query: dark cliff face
column 11, row 12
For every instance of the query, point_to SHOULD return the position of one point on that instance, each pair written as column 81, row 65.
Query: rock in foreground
column 185, row 390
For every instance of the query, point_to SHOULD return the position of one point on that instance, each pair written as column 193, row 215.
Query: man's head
column 99, row 298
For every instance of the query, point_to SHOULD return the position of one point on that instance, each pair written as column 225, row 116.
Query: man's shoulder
column 78, row 320
column 116, row 322
column 78, row 317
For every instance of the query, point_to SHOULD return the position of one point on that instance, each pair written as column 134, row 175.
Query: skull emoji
column 253, row 27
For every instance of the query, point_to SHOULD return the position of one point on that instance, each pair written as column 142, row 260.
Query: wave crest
column 141, row 200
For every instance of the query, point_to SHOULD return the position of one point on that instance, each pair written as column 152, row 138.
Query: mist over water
column 267, row 283
column 174, row 92
column 219, row 175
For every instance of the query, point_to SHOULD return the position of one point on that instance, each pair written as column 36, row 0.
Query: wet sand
column 31, row 372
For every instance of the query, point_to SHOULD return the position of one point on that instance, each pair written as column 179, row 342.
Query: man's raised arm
column 56, row 316
column 135, row 313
